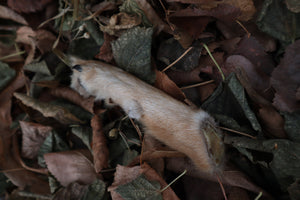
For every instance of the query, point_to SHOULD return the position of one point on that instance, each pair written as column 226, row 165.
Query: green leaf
column 229, row 100
column 39, row 67
column 128, row 156
column 131, row 7
column 85, row 134
column 276, row 20
column 6, row 74
column 132, row 52
column 53, row 143
column 140, row 189
column 35, row 90
column 292, row 125
column 95, row 191
column 285, row 163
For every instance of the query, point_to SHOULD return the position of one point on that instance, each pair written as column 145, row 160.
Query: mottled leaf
column 6, row 74
column 132, row 52
column 71, row 166
column 95, row 191
column 276, row 20
column 33, row 136
column 230, row 99
column 48, row 110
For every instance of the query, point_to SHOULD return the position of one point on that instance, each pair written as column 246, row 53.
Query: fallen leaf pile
column 237, row 59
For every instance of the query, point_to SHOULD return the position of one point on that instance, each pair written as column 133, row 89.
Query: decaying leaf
column 27, row 6
column 132, row 52
column 100, row 150
column 106, row 50
column 26, row 36
column 71, row 166
column 33, row 136
column 285, row 80
column 48, row 110
column 6, row 13
column 6, row 74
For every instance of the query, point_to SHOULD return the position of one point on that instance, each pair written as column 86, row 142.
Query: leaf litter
column 95, row 152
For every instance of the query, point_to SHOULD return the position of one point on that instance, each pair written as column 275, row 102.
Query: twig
column 222, row 187
column 173, row 63
column 258, row 196
column 243, row 27
column 12, row 55
column 11, row 170
column 183, row 173
column 238, row 132
column 213, row 59
column 197, row 84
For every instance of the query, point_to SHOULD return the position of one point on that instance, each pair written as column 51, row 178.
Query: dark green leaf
column 140, row 189
column 35, row 90
column 4, row 183
column 95, row 191
column 294, row 190
column 132, row 52
column 53, row 143
column 6, row 74
column 39, row 67
column 276, row 20
column 85, row 134
column 292, row 126
column 229, row 100
column 131, row 7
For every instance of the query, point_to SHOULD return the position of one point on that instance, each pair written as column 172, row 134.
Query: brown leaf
column 72, row 191
column 71, row 166
column 125, row 175
column 33, row 136
column 5, row 103
column 153, row 17
column 246, row 6
column 106, row 50
column 61, row 114
column 168, row 86
column 26, row 36
column 74, row 97
column 44, row 40
column 285, row 79
column 27, row 6
column 272, row 122
column 99, row 147
column 7, row 13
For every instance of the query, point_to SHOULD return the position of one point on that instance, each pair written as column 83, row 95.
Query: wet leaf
column 71, row 166
column 99, row 146
column 229, row 99
column 279, row 22
column 132, row 52
column 7, row 13
column 33, row 136
column 48, row 110
column 6, row 74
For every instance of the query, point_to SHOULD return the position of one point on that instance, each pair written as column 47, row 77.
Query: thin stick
column 258, row 196
column 11, row 170
column 183, row 173
column 173, row 63
column 213, row 59
column 243, row 27
column 222, row 187
column 238, row 132
column 197, row 84
column 12, row 55
column 136, row 128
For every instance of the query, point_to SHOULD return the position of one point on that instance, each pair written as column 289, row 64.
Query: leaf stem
column 173, row 63
column 183, row 173
column 12, row 55
column 258, row 196
column 213, row 59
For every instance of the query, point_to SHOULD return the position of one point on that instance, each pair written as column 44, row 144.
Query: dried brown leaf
column 106, row 50
column 246, row 6
column 61, row 114
column 168, row 86
column 27, row 6
column 44, row 40
column 7, row 13
column 26, row 35
column 71, row 166
column 33, row 136
column 285, row 79
column 74, row 97
column 153, row 17
column 5, row 103
column 99, row 146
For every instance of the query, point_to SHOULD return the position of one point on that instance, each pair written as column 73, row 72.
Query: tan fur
column 170, row 121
